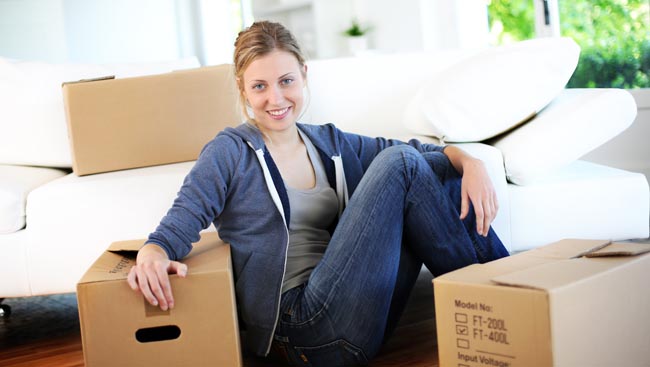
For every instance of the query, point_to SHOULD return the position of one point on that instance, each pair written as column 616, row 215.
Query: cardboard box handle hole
column 158, row 333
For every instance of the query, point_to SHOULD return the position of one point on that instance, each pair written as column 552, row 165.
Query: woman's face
column 273, row 85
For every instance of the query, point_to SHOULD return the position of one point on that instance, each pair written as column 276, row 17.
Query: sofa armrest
column 16, row 182
column 575, row 123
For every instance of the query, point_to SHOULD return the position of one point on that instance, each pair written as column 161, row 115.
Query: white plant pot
column 357, row 45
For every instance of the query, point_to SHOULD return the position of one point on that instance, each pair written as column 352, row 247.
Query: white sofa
column 70, row 220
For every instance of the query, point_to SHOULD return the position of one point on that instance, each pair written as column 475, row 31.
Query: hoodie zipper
column 278, row 203
column 341, row 185
column 341, row 193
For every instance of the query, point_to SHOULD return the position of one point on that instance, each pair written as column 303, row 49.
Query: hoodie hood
column 248, row 133
column 326, row 141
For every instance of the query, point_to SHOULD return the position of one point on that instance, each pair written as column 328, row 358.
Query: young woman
column 328, row 230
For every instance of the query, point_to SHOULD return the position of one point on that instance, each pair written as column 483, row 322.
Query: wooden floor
column 44, row 331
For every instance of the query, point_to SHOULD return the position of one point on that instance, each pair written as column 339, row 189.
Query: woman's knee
column 407, row 159
column 440, row 164
column 399, row 155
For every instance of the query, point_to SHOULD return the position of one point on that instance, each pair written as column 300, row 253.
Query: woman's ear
column 304, row 73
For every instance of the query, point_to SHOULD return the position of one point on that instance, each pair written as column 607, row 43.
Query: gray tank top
column 312, row 212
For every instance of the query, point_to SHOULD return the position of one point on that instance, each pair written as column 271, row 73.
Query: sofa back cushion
column 492, row 91
column 32, row 117
column 368, row 94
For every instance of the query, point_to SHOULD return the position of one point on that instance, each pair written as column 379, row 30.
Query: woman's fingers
column 164, row 294
column 485, row 208
column 150, row 275
column 464, row 207
column 131, row 279
column 145, row 286
column 480, row 216
column 152, row 280
column 178, row 268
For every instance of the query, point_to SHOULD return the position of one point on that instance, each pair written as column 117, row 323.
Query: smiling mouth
column 279, row 114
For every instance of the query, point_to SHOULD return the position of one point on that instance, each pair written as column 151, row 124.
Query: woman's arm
column 199, row 201
column 476, row 187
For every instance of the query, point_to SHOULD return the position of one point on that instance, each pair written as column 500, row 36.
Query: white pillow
column 33, row 129
column 576, row 122
column 492, row 91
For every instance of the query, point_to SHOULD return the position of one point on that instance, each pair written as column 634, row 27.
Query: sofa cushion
column 16, row 182
column 32, row 118
column 576, row 122
column 581, row 200
column 492, row 91
column 96, row 210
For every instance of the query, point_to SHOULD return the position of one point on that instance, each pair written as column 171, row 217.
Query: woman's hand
column 476, row 187
column 150, row 275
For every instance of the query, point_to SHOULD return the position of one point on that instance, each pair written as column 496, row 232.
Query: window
column 614, row 35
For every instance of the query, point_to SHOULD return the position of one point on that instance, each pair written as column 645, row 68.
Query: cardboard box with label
column 116, row 124
column 570, row 303
column 119, row 328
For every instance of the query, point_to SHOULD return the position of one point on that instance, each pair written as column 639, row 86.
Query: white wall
column 32, row 29
column 429, row 25
column 453, row 24
column 109, row 31
column 217, row 32
column 120, row 30
column 630, row 150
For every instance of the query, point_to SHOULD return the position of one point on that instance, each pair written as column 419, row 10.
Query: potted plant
column 357, row 37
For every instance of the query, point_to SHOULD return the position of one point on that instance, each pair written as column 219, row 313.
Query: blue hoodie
column 236, row 185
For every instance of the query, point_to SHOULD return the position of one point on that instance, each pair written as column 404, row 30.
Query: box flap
column 563, row 272
column 553, row 275
column 109, row 266
column 116, row 262
column 570, row 248
column 126, row 246
column 484, row 273
column 621, row 249
column 108, row 77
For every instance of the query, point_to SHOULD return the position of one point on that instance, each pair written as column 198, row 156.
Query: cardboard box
column 119, row 328
column 570, row 303
column 116, row 124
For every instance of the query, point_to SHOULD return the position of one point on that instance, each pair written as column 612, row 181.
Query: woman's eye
column 258, row 86
column 287, row 81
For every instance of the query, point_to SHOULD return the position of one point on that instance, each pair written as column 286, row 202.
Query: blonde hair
column 258, row 40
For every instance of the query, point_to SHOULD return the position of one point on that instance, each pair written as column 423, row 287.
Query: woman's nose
column 275, row 95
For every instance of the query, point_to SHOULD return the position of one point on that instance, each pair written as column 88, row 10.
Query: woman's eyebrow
column 286, row 75
column 280, row 77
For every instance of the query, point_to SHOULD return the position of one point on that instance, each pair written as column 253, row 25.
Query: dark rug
column 36, row 318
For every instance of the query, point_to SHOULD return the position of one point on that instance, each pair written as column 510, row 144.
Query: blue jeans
column 404, row 213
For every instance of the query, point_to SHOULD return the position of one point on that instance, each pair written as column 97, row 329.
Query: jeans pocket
column 336, row 353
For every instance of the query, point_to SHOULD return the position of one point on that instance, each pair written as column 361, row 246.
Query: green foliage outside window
column 614, row 36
